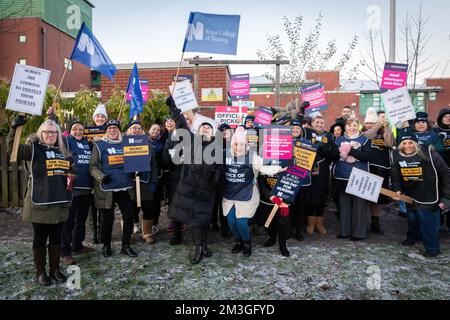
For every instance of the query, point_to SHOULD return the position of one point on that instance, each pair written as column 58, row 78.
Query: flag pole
column 121, row 106
column 178, row 72
column 55, row 99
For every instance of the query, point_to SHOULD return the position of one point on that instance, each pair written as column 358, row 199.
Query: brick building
column 42, row 33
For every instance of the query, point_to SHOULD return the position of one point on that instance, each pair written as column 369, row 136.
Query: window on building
column 432, row 96
column 23, row 61
column 22, row 38
column 68, row 64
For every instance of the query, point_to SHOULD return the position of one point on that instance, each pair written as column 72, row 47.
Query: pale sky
column 153, row 31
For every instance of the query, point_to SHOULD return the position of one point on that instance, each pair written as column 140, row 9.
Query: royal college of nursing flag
column 88, row 51
column 212, row 33
column 134, row 88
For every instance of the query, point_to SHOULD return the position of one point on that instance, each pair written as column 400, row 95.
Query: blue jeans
column 424, row 224
column 238, row 227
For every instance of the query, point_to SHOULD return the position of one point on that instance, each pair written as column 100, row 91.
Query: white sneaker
column 136, row 228
column 155, row 229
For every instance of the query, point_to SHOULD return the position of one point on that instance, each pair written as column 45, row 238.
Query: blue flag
column 212, row 33
column 134, row 88
column 88, row 51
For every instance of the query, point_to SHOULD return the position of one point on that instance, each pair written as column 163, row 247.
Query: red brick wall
column 58, row 46
column 161, row 79
column 442, row 98
column 330, row 79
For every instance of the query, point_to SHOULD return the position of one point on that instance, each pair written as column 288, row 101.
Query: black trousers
column 126, row 206
column 147, row 209
column 218, row 211
column 74, row 229
column 297, row 213
column 44, row 232
column 157, row 197
column 279, row 227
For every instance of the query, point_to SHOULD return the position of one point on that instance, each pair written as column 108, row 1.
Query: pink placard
column 394, row 76
column 263, row 117
column 229, row 115
column 144, row 89
column 240, row 86
column 277, row 145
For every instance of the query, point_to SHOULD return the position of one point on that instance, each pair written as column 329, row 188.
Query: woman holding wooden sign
column 48, row 196
column 423, row 175
column 354, row 149
column 240, row 191
column 111, row 185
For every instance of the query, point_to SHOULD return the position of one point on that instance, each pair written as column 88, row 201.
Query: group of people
column 217, row 177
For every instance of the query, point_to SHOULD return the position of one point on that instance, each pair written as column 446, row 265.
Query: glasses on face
column 48, row 133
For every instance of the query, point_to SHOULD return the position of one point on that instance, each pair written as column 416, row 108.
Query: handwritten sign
column 184, row 96
column 364, row 185
column 28, row 89
column 398, row 105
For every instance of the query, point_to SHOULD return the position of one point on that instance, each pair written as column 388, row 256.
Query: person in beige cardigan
column 241, row 194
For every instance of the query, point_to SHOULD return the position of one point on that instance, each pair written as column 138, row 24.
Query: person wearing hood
column 193, row 200
column 354, row 151
column 111, row 185
column 74, row 230
column 48, row 194
column 249, row 122
column 148, row 183
column 157, row 142
column 376, row 128
column 320, row 173
column 240, row 192
column 420, row 173
column 424, row 133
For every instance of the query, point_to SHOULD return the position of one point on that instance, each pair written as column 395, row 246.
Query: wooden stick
column 16, row 144
column 55, row 99
column 138, row 191
column 393, row 194
column 271, row 215
column 124, row 101
column 178, row 72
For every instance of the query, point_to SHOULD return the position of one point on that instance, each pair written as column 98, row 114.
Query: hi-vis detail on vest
column 57, row 167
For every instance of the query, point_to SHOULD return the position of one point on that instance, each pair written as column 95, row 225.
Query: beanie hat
column 223, row 127
column 133, row 122
column 74, row 122
column 113, row 122
column 206, row 123
column 316, row 114
column 296, row 122
column 421, row 116
column 408, row 136
column 101, row 109
column 239, row 136
column 249, row 118
column 371, row 116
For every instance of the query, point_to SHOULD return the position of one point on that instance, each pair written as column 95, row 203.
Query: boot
column 54, row 256
column 39, row 256
column 206, row 252
column 311, row 221
column 299, row 234
column 238, row 246
column 375, row 226
column 127, row 250
column 198, row 251
column 247, row 248
column 176, row 238
column 283, row 249
column 319, row 226
column 147, row 231
column 272, row 237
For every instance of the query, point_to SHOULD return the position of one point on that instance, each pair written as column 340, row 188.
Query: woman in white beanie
column 376, row 129
column 240, row 190
column 100, row 116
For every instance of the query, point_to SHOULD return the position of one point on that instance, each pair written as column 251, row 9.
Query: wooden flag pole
column 138, row 190
column 393, row 194
column 16, row 144
column 55, row 99
column 271, row 215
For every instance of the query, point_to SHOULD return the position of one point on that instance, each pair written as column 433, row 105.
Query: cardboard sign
column 246, row 104
column 144, row 89
column 263, row 116
column 394, row 76
column 364, row 185
column 289, row 184
column 28, row 89
column 277, row 143
column 305, row 153
column 92, row 132
column 212, row 94
column 315, row 95
column 229, row 115
column 136, row 153
column 399, row 107
column 184, row 96
column 240, row 86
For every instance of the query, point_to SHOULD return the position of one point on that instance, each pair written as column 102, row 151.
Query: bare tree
column 10, row 11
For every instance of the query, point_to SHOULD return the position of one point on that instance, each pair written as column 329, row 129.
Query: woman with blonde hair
column 49, row 193
column 422, row 174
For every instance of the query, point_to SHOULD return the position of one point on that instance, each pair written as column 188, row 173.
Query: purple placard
column 277, row 143
column 240, row 86
column 289, row 183
column 263, row 116
column 144, row 89
column 315, row 95
column 394, row 76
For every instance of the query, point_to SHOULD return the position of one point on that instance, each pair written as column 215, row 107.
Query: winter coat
column 47, row 213
column 444, row 132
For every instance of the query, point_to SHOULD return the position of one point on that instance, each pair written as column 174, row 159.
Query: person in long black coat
column 193, row 200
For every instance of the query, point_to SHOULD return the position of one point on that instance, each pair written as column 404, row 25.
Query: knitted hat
column 408, row 136
column 296, row 122
column 239, row 136
column 133, row 122
column 206, row 123
column 421, row 116
column 223, row 127
column 113, row 122
column 316, row 114
column 74, row 122
column 371, row 116
column 101, row 109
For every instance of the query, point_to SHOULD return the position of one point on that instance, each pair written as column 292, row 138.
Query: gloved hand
column 345, row 148
column 276, row 200
column 70, row 181
column 138, row 174
column 153, row 187
column 20, row 120
column 171, row 103
column 107, row 179
column 284, row 211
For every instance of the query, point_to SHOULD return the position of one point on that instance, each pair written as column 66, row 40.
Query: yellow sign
column 115, row 159
column 212, row 94
column 304, row 156
column 132, row 151
column 58, row 164
column 411, row 172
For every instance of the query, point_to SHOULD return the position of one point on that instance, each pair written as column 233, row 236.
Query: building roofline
column 164, row 65
column 89, row 3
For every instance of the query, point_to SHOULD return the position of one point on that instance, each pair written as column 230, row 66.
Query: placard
column 229, row 115
column 136, row 153
column 399, row 107
column 240, row 86
column 364, row 185
column 305, row 153
column 94, row 132
column 394, row 76
column 315, row 95
column 184, row 96
column 28, row 89
column 277, row 143
column 263, row 116
column 289, row 183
